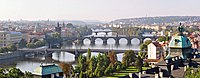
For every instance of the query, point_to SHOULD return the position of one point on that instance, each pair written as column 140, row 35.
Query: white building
column 9, row 37
column 154, row 50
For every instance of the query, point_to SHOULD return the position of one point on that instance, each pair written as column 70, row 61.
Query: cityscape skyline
column 103, row 10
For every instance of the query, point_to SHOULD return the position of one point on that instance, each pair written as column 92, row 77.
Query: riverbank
column 11, row 55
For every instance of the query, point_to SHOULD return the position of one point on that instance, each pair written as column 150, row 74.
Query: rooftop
column 47, row 69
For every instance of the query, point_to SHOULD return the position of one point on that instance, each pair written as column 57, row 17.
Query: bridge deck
column 73, row 50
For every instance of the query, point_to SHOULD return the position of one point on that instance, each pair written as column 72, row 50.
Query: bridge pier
column 81, row 41
column 105, row 41
column 129, row 41
column 76, row 53
column 116, row 41
column 92, row 41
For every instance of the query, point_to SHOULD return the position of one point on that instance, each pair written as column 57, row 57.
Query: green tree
column 31, row 45
column 12, row 47
column 22, row 43
column 147, row 42
column 139, row 63
column 108, row 70
column 40, row 43
column 1, row 50
column 2, row 73
column 82, row 63
column 28, row 75
column 128, row 57
column 15, row 73
column 81, row 74
column 143, row 55
column 144, row 45
column 88, row 54
column 161, row 39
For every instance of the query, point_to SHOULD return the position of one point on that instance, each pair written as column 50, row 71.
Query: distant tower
column 63, row 24
column 58, row 28
column 37, row 28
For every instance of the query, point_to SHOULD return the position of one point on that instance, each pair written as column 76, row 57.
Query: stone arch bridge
column 105, row 38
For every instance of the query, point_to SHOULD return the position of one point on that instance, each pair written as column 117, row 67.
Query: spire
column 180, row 29
column 58, row 24
column 63, row 24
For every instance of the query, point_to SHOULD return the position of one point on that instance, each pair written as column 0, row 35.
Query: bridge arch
column 111, row 41
column 135, row 41
column 63, row 56
column 86, row 41
column 98, row 41
column 123, row 42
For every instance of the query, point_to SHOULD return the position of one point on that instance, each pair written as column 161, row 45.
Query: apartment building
column 9, row 37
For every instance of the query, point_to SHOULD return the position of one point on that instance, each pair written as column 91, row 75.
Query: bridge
column 115, row 36
column 74, row 51
column 105, row 38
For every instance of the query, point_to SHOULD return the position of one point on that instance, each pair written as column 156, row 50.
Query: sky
column 104, row 10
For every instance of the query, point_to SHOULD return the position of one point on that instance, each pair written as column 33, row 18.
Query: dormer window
column 176, row 41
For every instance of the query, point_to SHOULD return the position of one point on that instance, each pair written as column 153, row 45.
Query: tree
column 161, row 39
column 82, row 63
column 1, row 50
column 92, row 66
column 22, row 43
column 112, row 57
column 12, row 47
column 66, row 68
column 143, row 55
column 40, row 43
column 143, row 47
column 88, row 54
column 147, row 42
column 31, row 45
column 15, row 73
column 108, row 70
column 28, row 75
column 139, row 63
column 2, row 73
column 128, row 57
column 81, row 74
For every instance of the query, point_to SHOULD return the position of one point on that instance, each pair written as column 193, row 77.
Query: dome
column 180, row 42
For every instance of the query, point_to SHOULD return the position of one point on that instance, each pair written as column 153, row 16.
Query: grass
column 122, row 73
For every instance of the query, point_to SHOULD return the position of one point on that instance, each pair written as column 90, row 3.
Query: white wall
column 151, row 51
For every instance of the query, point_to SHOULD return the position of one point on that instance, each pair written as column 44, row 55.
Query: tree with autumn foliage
column 66, row 68
column 112, row 57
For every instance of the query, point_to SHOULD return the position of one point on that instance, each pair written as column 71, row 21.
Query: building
column 9, row 37
column 154, row 50
column 177, row 55
column 58, row 29
column 48, row 71
column 37, row 35
column 179, row 45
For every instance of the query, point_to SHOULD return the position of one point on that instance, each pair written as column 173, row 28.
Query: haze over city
column 104, row 10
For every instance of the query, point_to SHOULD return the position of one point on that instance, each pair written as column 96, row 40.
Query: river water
column 31, row 63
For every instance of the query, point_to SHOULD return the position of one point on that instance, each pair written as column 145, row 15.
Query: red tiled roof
column 37, row 33
column 156, row 44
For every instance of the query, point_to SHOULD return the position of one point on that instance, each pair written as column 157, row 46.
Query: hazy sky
column 105, row 10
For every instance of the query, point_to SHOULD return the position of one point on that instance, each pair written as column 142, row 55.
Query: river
column 31, row 63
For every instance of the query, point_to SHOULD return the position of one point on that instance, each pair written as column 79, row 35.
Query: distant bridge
column 74, row 51
column 92, row 38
